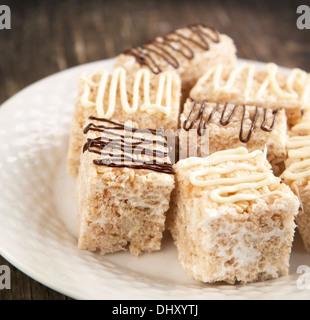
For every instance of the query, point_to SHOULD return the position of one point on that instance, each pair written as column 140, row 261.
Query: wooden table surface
column 49, row 36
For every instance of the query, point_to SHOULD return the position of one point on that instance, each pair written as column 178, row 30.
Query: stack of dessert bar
column 231, row 197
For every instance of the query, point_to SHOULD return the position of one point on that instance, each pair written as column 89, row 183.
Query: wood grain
column 49, row 36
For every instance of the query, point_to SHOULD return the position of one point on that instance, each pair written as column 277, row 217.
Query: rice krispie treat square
column 297, row 175
column 191, row 51
column 233, row 220
column 247, row 84
column 123, row 188
column 152, row 101
column 210, row 127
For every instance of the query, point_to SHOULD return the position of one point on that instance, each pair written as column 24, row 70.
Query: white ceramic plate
column 38, row 214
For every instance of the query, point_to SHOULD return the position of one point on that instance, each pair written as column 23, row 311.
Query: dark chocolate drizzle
column 176, row 42
column 119, row 141
column 202, row 125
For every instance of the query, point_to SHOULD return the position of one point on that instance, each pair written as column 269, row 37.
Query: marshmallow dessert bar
column 123, row 188
column 152, row 101
column 297, row 175
column 248, row 84
column 233, row 220
column 191, row 51
column 210, row 127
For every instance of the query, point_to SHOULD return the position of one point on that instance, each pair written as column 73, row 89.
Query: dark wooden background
column 49, row 36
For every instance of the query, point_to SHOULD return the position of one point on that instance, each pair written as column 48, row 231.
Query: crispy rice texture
column 243, row 242
column 218, row 137
column 141, row 119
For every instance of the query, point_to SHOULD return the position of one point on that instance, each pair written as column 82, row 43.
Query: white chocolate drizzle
column 229, row 188
column 269, row 84
column 299, row 151
column 161, row 104
column 301, row 127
